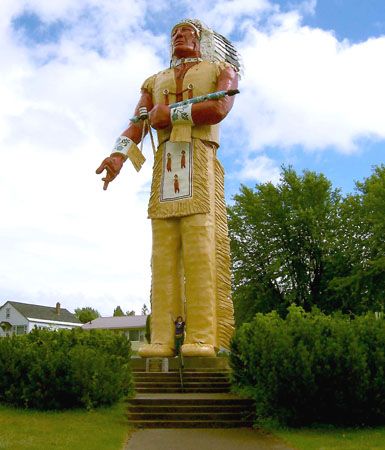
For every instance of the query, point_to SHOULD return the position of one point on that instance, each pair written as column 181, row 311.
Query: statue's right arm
column 113, row 163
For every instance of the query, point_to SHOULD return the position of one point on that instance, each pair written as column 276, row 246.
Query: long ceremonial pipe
column 202, row 98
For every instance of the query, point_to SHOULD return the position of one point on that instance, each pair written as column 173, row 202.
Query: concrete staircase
column 183, row 412
column 204, row 401
column 193, row 382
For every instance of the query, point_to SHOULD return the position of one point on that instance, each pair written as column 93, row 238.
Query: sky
column 312, row 96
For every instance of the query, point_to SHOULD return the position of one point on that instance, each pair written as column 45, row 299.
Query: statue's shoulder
column 215, row 66
column 148, row 84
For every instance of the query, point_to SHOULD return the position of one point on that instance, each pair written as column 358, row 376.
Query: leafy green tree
column 300, row 242
column 86, row 314
column 118, row 312
column 280, row 241
column 145, row 310
column 362, row 284
column 130, row 313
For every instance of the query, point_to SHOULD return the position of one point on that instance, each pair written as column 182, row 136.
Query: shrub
column 64, row 369
column 311, row 367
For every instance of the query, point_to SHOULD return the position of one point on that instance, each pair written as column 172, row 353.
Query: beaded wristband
column 181, row 115
column 123, row 145
column 127, row 147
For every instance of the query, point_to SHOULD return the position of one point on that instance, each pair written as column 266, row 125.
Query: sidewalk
column 204, row 439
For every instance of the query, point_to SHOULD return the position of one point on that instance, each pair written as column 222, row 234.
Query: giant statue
column 190, row 246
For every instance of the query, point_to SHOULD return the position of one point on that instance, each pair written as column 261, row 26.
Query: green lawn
column 330, row 438
column 101, row 429
column 107, row 429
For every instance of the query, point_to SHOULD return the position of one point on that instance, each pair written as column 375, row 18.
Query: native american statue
column 190, row 245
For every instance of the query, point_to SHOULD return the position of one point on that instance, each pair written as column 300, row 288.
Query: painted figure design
column 168, row 165
column 176, row 184
column 183, row 160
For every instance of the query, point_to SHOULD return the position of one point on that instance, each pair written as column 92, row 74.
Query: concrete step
column 221, row 400
column 183, row 400
column 184, row 409
column 169, row 381
column 175, row 376
column 186, row 372
column 189, row 382
column 179, row 389
column 191, row 424
column 200, row 364
column 174, row 416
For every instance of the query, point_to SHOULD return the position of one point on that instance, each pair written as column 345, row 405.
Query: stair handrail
column 181, row 365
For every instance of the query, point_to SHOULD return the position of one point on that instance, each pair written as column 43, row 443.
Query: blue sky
column 312, row 96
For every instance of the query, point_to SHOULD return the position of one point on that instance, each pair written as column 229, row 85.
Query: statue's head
column 185, row 40
column 191, row 38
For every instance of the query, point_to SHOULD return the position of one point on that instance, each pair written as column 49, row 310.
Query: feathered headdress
column 214, row 47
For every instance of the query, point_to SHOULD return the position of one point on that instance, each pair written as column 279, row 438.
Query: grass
column 101, row 429
column 330, row 438
column 107, row 429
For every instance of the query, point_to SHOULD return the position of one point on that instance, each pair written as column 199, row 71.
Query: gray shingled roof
column 116, row 322
column 44, row 312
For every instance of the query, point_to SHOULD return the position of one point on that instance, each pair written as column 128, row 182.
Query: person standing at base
column 179, row 334
column 190, row 245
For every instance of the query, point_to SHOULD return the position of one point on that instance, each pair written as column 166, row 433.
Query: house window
column 134, row 335
column 7, row 313
column 21, row 329
column 41, row 327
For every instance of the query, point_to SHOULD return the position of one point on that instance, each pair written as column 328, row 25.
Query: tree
column 145, row 310
column 280, row 240
column 130, row 313
column 118, row 312
column 86, row 314
column 364, row 282
column 300, row 242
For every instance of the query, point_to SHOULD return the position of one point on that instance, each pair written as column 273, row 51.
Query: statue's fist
column 112, row 165
column 159, row 117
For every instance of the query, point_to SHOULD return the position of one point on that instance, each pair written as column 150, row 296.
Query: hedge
column 64, row 369
column 312, row 368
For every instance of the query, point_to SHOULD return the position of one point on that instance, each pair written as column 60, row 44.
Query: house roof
column 116, row 322
column 44, row 312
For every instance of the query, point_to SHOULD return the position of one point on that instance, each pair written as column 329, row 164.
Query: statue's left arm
column 212, row 112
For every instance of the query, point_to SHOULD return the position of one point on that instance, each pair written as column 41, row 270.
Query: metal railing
column 181, row 366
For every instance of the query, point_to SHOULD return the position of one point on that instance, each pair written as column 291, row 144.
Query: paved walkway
column 204, row 439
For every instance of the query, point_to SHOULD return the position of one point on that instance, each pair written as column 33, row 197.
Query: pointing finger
column 100, row 169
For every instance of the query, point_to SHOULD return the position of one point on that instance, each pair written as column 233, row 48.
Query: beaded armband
column 127, row 147
column 181, row 115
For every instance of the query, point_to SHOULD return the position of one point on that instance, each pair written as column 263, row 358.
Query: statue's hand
column 112, row 164
column 159, row 117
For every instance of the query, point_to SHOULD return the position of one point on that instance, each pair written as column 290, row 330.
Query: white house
column 134, row 327
column 21, row 318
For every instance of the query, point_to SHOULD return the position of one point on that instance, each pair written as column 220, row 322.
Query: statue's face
column 185, row 42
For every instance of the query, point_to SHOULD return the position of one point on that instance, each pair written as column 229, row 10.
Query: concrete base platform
column 191, row 363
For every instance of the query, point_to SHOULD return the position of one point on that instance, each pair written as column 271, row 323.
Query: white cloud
column 260, row 168
column 62, row 237
column 304, row 87
column 227, row 15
